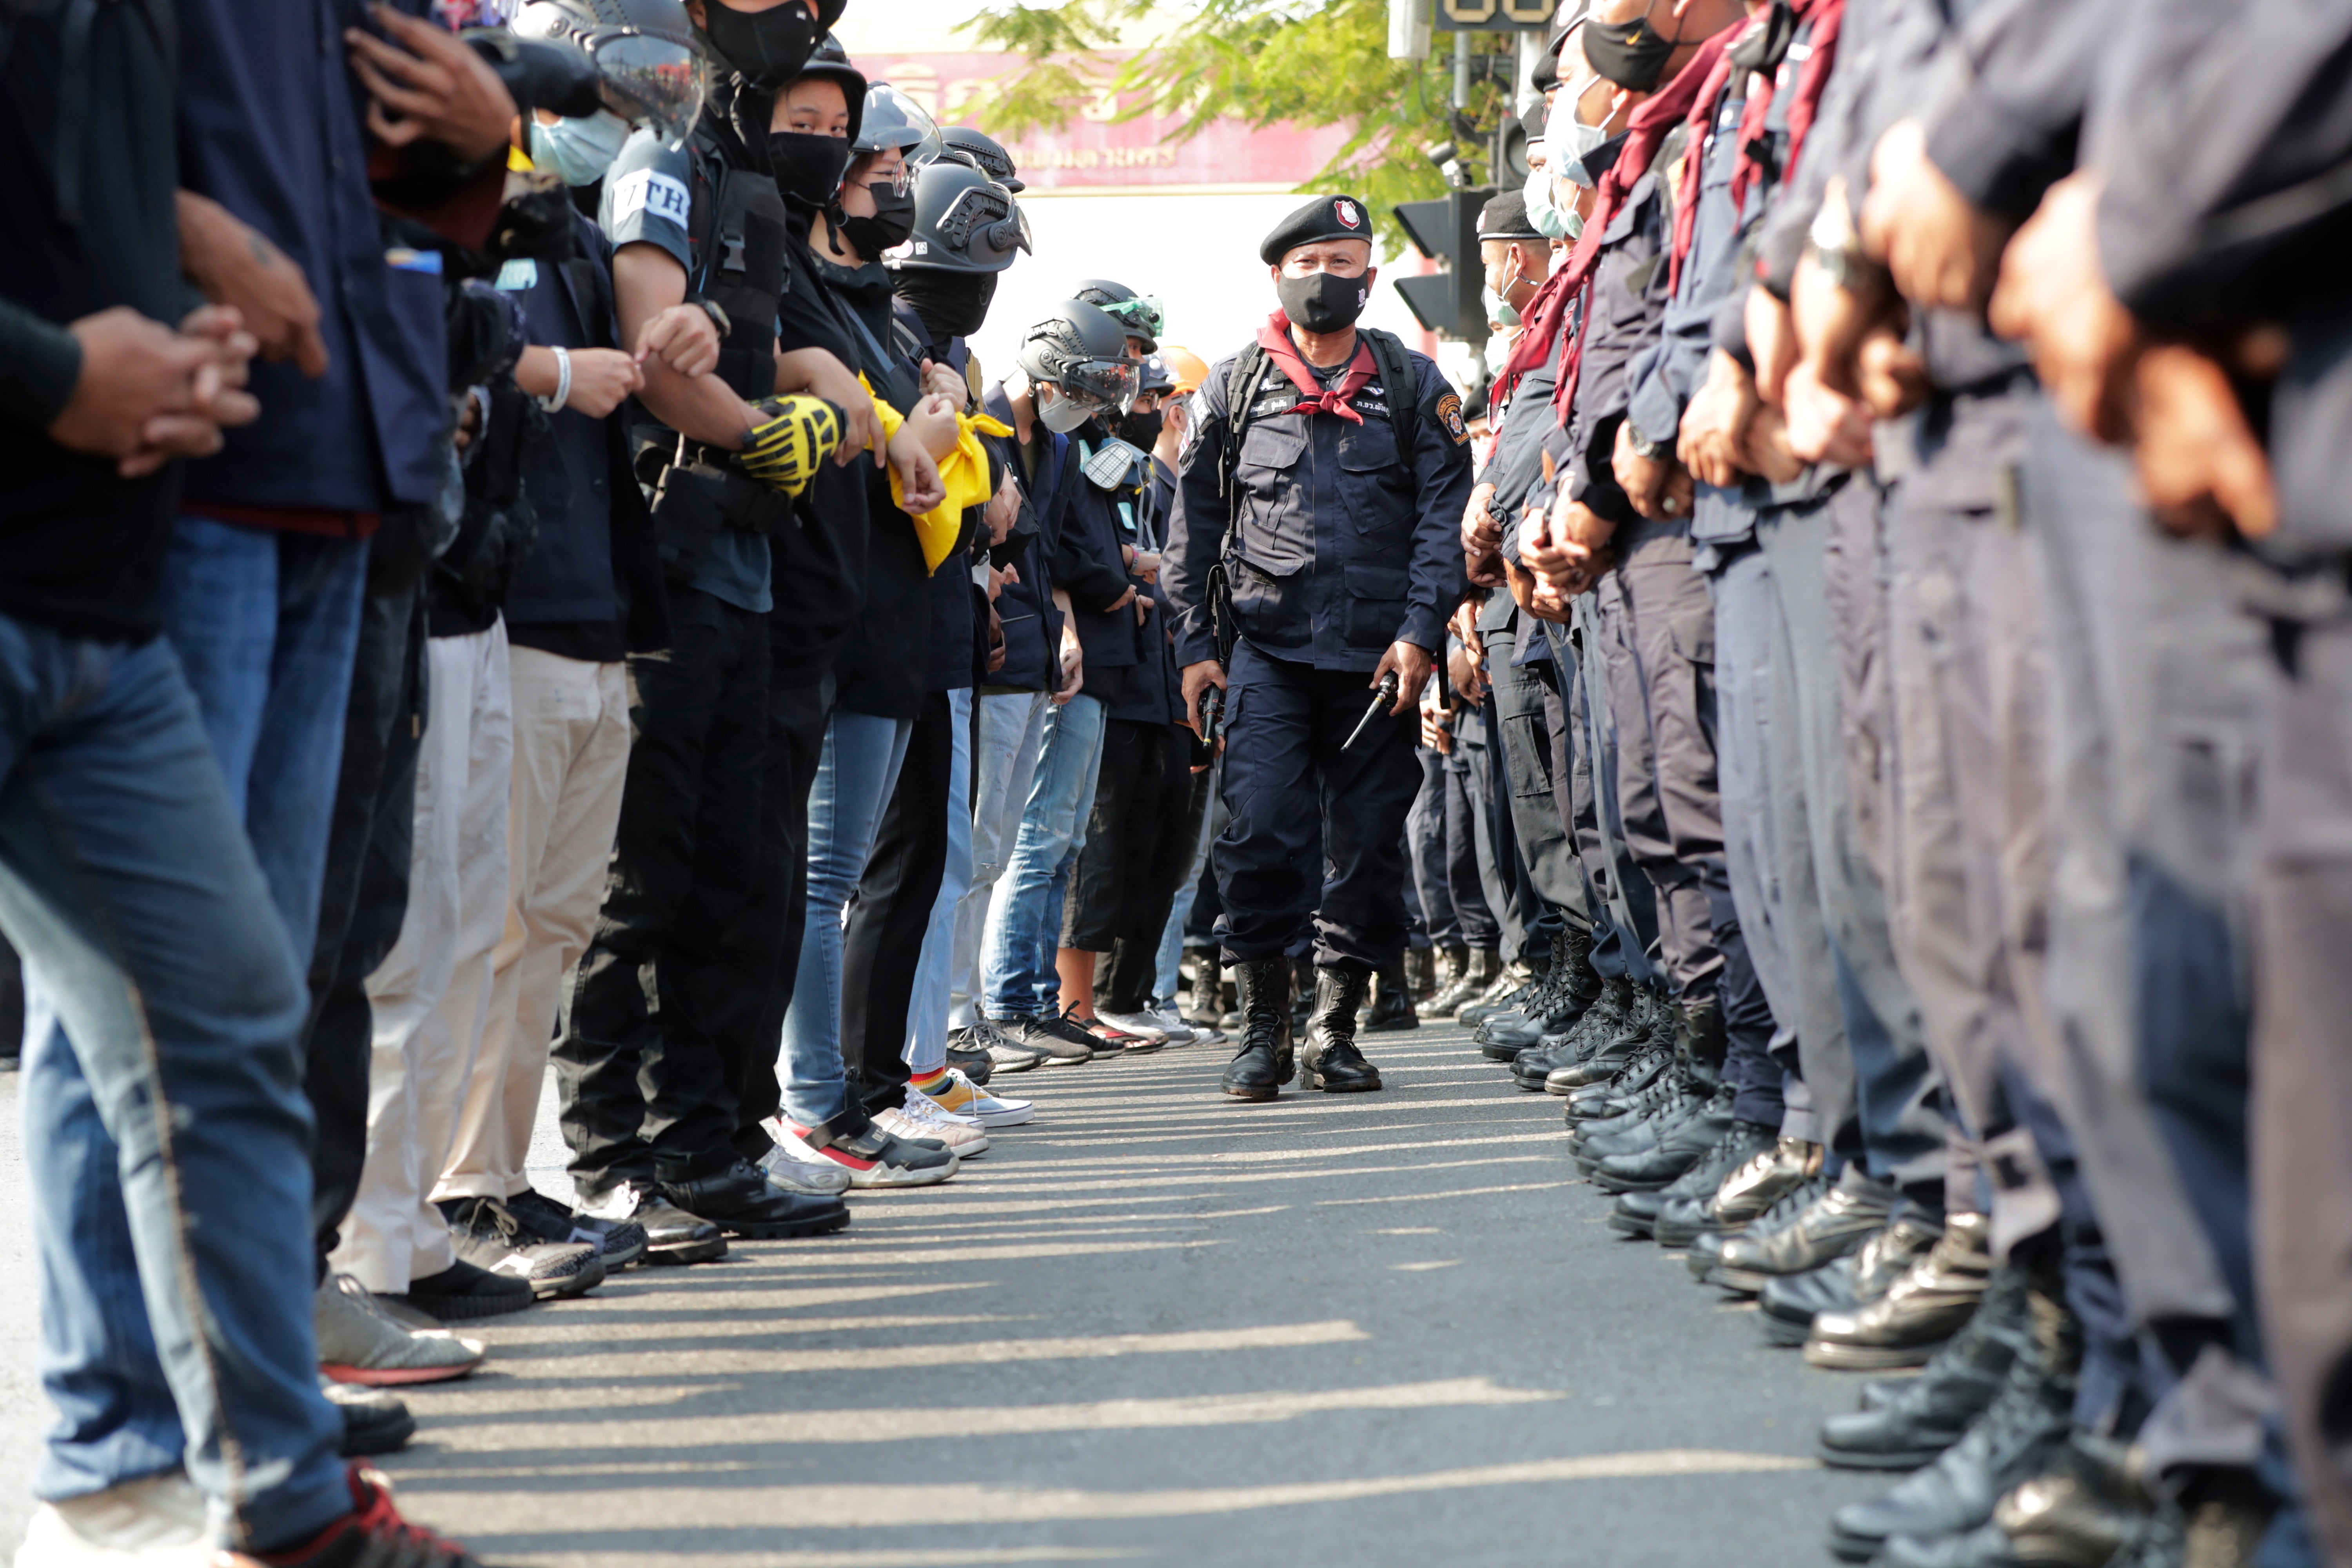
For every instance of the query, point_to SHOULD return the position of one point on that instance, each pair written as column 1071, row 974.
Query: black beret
column 1325, row 217
column 1505, row 216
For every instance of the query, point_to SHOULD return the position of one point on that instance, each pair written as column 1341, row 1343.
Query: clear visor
column 1108, row 382
column 653, row 81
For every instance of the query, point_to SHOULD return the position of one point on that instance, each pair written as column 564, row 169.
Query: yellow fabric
column 964, row 471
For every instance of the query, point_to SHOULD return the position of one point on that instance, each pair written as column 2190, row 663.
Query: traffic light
column 1448, row 303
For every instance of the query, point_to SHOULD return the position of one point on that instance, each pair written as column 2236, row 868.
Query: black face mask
column 807, row 166
column 769, row 47
column 1763, row 47
column 893, row 221
column 1322, row 301
column 1142, row 429
column 1633, row 55
column 952, row 304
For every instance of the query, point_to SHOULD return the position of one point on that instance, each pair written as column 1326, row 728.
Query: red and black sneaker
column 373, row 1535
column 873, row 1157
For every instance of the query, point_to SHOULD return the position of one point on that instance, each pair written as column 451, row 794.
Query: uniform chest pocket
column 1377, row 591
column 1269, row 451
column 1276, row 532
column 1374, row 485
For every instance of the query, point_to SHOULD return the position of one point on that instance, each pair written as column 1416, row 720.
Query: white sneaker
column 919, row 1118
column 1142, row 1026
column 1179, row 1032
column 158, row 1521
column 359, row 1343
column 957, row 1095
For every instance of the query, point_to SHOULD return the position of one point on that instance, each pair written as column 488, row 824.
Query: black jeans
column 883, row 942
column 1139, row 842
column 800, row 701
column 646, row 1093
column 364, row 896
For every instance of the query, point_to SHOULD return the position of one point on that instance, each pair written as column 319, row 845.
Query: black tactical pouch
column 688, row 505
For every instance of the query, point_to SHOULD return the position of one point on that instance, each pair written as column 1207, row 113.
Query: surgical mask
column 1570, row 139
column 807, row 167
column 769, row 47
column 1499, row 308
column 1323, row 301
column 578, row 151
column 893, row 221
column 1550, row 221
column 1061, row 413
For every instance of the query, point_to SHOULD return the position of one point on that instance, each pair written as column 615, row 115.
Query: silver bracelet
column 563, row 382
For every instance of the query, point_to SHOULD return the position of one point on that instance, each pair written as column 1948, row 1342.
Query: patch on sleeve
column 654, row 193
column 1448, row 414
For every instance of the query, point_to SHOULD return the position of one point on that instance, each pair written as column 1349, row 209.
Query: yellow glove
column 783, row 451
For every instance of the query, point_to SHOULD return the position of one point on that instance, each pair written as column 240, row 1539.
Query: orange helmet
column 1186, row 366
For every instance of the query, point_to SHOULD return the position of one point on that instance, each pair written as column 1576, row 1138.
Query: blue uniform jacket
column 270, row 128
column 1033, row 628
column 1342, row 544
column 1089, row 564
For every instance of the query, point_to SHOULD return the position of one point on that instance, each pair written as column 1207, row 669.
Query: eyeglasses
column 899, row 180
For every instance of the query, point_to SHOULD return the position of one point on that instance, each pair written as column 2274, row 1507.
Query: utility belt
column 694, row 490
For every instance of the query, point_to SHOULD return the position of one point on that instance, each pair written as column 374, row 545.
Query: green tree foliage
column 1260, row 62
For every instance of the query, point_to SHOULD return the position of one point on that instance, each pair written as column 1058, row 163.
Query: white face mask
column 578, row 151
column 1570, row 139
column 1549, row 221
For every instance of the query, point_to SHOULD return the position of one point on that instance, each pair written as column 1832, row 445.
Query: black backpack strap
column 1248, row 374
column 1403, row 385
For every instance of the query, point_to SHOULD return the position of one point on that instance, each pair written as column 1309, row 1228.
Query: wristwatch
column 1645, row 449
column 1836, row 248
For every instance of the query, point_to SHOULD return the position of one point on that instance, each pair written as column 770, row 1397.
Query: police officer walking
column 1312, row 556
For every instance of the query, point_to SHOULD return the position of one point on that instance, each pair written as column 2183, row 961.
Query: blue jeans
column 1180, row 913
column 927, row 1019
column 862, row 756
column 1024, row 925
column 168, row 1138
column 267, row 626
column 1006, row 737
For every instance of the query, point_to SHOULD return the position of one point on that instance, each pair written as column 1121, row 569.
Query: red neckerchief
column 1275, row 339
column 1809, row 79
column 1651, row 125
column 1825, row 16
column 1701, row 122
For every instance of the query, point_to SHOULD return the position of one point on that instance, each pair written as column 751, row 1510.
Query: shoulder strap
column 1248, row 374
column 703, row 210
column 1404, row 384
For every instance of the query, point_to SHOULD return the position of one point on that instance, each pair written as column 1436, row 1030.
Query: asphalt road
column 1151, row 1327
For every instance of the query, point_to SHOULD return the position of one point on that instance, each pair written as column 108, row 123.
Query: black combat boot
column 1392, row 1007
column 1452, row 980
column 1205, row 1002
column 1419, row 973
column 1302, row 993
column 1331, row 1061
column 1263, row 1064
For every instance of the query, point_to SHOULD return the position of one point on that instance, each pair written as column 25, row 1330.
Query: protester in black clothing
column 651, row 1081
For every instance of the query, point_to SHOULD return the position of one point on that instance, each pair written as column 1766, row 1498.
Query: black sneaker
column 463, row 1291
column 619, row 1242
column 1063, row 1042
column 1004, row 1053
column 375, row 1422
column 487, row 1235
column 968, row 1057
column 672, row 1235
